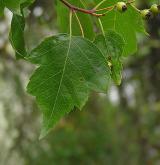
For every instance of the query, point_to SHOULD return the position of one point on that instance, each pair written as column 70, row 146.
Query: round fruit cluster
column 146, row 13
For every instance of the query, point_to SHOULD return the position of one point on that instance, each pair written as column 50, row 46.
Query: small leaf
column 112, row 46
column 126, row 24
column 16, row 36
column 70, row 67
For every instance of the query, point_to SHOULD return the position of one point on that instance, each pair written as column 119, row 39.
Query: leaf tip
column 44, row 132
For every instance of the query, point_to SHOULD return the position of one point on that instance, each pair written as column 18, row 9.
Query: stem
column 70, row 23
column 80, row 25
column 101, row 26
column 106, row 8
column 130, row 1
column 74, row 8
column 135, row 8
column 99, row 4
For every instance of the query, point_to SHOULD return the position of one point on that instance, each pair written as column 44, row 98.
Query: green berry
column 121, row 6
column 155, row 9
column 146, row 14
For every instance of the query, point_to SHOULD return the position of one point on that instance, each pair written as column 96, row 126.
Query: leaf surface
column 16, row 35
column 126, row 24
column 112, row 46
column 63, row 19
column 1, row 8
column 15, row 5
column 70, row 67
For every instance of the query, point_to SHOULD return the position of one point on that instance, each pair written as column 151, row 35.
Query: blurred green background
column 119, row 128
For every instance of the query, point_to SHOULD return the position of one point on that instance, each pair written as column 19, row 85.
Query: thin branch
column 74, row 8
column 94, row 10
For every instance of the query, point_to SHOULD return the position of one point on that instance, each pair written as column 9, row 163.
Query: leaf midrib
column 60, row 83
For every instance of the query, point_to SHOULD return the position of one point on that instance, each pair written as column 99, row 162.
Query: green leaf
column 15, row 5
column 70, row 67
column 112, row 46
column 63, row 20
column 16, row 36
column 1, row 8
column 127, row 24
column 12, row 5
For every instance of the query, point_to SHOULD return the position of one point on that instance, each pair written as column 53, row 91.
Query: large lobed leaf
column 69, row 68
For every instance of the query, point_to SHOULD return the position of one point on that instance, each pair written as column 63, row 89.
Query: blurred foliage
column 121, row 127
